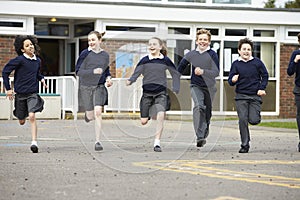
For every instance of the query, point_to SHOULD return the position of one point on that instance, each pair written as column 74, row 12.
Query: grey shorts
column 91, row 96
column 27, row 103
column 151, row 104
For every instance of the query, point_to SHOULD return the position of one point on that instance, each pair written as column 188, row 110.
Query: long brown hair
column 98, row 34
column 163, row 50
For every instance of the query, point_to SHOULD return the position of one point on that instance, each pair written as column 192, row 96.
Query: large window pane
column 266, row 52
column 233, row 1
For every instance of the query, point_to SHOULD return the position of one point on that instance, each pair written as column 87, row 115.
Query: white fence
column 65, row 87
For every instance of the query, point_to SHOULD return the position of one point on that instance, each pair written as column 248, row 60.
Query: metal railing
column 65, row 86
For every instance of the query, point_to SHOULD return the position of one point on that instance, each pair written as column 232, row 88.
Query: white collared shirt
column 241, row 59
column 28, row 57
column 197, row 49
column 161, row 56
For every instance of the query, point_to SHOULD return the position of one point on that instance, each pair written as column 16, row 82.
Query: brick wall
column 111, row 46
column 7, row 50
column 287, row 104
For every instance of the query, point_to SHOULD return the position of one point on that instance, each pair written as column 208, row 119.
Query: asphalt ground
column 67, row 167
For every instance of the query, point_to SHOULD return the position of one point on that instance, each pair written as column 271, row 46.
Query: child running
column 153, row 68
column 92, row 67
column 250, row 77
column 205, row 68
column 294, row 68
column 26, row 67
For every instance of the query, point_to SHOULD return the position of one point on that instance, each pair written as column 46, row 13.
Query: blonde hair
column 203, row 31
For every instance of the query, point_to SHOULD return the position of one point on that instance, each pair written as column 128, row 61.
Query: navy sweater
column 294, row 67
column 208, row 61
column 253, row 76
column 87, row 62
column 26, row 76
column 154, row 72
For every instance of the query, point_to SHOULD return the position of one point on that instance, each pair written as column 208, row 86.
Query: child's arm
column 233, row 75
column 175, row 75
column 294, row 60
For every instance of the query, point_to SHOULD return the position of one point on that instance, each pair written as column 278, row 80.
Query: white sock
column 156, row 142
column 34, row 143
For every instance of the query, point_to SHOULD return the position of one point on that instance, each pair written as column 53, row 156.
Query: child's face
column 94, row 42
column 154, row 47
column 28, row 48
column 203, row 41
column 245, row 51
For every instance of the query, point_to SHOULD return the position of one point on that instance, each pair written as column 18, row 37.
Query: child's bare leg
column 98, row 122
column 34, row 147
column 22, row 121
column 144, row 121
column 33, row 125
column 159, row 128
column 98, row 126
column 90, row 114
column 160, row 125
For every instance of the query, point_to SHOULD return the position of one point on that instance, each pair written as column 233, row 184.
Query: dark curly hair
column 245, row 41
column 19, row 42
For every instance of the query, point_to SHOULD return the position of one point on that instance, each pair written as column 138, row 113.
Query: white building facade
column 62, row 27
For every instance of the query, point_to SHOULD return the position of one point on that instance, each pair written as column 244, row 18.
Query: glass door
column 71, row 55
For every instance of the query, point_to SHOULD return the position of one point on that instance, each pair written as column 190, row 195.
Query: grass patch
column 291, row 125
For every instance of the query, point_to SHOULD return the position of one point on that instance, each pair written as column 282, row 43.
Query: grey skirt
column 91, row 96
column 26, row 103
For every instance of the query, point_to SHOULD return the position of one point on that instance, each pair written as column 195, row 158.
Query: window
column 195, row 1
column 130, row 28
column 266, row 52
column 83, row 29
column 176, row 30
column 235, row 32
column 43, row 26
column 232, row 1
column 213, row 31
column 293, row 33
column 11, row 24
column 263, row 33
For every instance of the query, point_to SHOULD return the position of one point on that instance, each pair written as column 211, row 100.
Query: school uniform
column 92, row 90
column 26, row 84
column 203, row 87
column 294, row 68
column 155, row 83
column 253, row 76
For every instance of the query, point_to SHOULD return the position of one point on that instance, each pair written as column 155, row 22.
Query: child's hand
column 261, row 93
column 198, row 71
column 98, row 71
column 297, row 58
column 44, row 83
column 10, row 94
column 109, row 82
column 235, row 78
column 128, row 83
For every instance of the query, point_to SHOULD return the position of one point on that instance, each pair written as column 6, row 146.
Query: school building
column 62, row 27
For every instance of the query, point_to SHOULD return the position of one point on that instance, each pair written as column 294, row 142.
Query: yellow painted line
column 197, row 168
column 227, row 198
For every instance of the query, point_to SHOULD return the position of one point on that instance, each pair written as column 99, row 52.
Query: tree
column 270, row 4
column 292, row 4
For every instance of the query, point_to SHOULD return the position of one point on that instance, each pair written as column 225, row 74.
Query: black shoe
column 201, row 142
column 98, row 146
column 244, row 149
column 157, row 148
column 86, row 119
column 34, row 148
